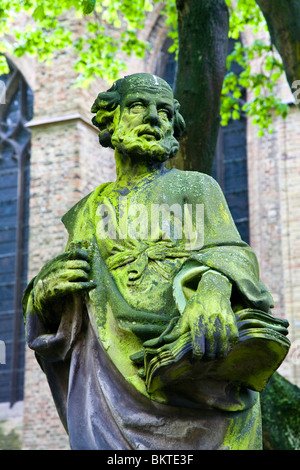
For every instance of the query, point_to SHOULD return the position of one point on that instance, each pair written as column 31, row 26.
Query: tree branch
column 283, row 20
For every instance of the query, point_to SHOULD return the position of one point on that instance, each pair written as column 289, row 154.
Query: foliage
column 262, row 101
column 280, row 414
column 9, row 441
column 113, row 26
column 110, row 26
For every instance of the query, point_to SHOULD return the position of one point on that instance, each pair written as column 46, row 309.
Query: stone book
column 261, row 347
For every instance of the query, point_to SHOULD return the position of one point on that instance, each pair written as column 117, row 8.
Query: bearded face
column 144, row 125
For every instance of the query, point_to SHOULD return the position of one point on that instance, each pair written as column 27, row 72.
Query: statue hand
column 209, row 318
column 65, row 274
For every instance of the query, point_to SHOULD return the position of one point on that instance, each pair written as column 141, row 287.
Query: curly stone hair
column 108, row 101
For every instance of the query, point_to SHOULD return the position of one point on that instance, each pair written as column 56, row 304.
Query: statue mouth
column 149, row 133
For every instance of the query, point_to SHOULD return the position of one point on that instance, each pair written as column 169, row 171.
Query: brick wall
column 274, row 201
column 274, row 204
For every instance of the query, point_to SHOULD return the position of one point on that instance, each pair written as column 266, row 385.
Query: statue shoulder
column 194, row 182
column 201, row 179
column 82, row 209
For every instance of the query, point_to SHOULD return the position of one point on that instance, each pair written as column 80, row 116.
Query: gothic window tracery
column 16, row 108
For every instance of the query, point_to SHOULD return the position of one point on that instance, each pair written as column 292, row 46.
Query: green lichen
column 280, row 403
column 244, row 430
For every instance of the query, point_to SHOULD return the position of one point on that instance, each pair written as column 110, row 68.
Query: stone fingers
column 77, row 259
column 216, row 340
column 58, row 262
column 212, row 336
column 46, row 292
column 73, row 270
column 65, row 274
column 68, row 287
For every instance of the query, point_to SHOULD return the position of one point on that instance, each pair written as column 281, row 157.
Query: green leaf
column 3, row 65
column 39, row 13
column 88, row 6
column 235, row 115
column 237, row 93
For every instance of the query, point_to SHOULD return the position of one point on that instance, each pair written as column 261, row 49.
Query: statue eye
column 137, row 107
column 164, row 114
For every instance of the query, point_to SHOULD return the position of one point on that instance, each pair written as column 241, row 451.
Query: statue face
column 145, row 124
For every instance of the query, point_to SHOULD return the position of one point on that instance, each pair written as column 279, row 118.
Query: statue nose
column 151, row 116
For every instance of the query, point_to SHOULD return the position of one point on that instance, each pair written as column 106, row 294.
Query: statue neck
column 130, row 170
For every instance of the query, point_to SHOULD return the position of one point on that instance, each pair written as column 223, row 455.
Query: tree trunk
column 283, row 20
column 203, row 34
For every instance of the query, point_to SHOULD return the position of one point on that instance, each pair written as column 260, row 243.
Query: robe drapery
column 106, row 398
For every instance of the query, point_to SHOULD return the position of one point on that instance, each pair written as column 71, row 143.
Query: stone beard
column 131, row 144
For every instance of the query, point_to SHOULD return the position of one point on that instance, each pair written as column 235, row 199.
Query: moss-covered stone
column 280, row 403
column 97, row 312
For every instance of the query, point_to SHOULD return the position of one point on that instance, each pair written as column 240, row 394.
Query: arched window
column 230, row 165
column 16, row 108
column 166, row 66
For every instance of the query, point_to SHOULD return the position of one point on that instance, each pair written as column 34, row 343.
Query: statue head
column 139, row 116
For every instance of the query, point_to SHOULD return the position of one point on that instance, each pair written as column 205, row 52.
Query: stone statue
column 153, row 327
